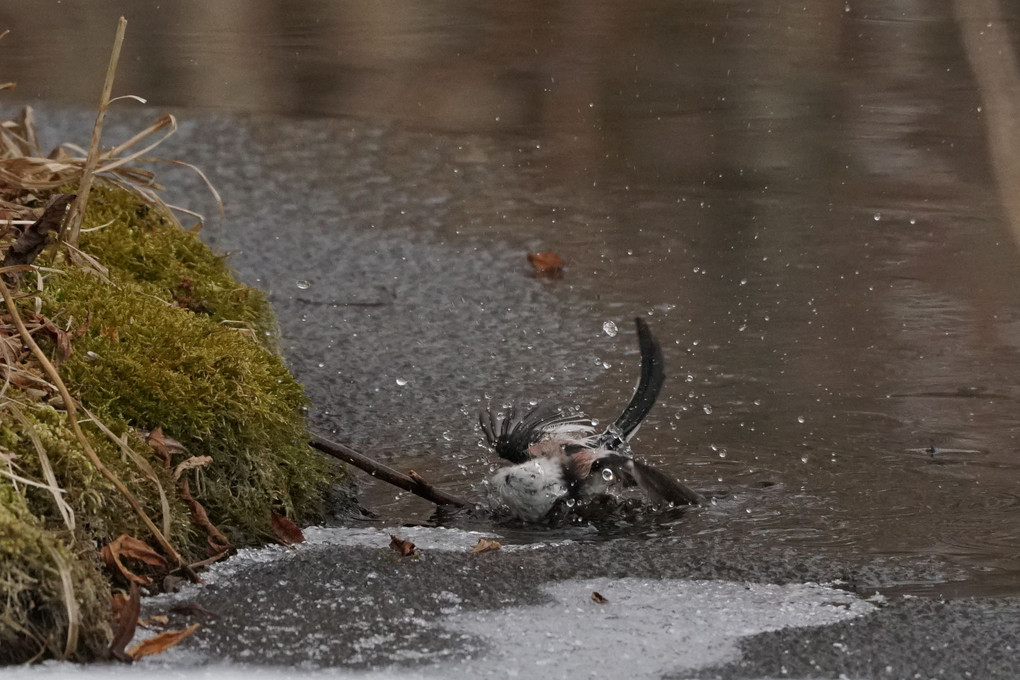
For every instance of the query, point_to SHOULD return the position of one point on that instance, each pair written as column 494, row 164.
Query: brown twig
column 413, row 482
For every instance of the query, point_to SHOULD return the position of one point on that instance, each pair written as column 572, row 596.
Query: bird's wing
column 659, row 487
column 512, row 436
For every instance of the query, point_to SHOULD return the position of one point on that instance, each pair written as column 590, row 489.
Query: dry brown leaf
column 163, row 445
column 285, row 530
column 35, row 237
column 117, row 603
column 189, row 464
column 546, row 263
column 485, row 545
column 218, row 543
column 404, row 547
column 125, row 546
column 597, row 598
column 126, row 618
column 154, row 620
column 160, row 643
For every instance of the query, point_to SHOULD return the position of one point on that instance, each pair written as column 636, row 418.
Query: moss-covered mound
column 166, row 339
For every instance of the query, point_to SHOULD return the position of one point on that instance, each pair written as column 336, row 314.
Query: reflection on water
column 798, row 198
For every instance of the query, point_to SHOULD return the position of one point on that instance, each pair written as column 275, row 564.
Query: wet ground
column 813, row 207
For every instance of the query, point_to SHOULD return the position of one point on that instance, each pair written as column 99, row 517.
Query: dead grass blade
column 70, row 603
column 166, row 120
column 66, row 512
column 92, row 160
column 140, row 463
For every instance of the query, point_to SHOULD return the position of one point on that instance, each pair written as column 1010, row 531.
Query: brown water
column 815, row 204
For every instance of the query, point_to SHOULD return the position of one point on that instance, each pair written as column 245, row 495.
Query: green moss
column 169, row 340
column 213, row 388
column 143, row 244
column 33, row 615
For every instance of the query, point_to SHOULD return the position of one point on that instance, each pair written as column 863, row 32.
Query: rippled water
column 812, row 205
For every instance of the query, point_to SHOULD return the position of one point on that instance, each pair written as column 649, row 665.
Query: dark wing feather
column 659, row 487
column 653, row 375
column 513, row 436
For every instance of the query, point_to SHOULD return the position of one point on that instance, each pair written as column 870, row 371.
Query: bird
column 558, row 458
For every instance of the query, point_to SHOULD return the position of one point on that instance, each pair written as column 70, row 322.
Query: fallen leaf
column 117, row 602
column 160, row 643
column 129, row 547
column 285, row 530
column 597, row 598
column 218, row 543
column 36, row 236
column 126, row 617
column 485, row 545
column 165, row 446
column 546, row 263
column 154, row 620
column 405, row 548
column 190, row 463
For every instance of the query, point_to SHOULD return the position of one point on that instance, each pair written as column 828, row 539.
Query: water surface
column 813, row 206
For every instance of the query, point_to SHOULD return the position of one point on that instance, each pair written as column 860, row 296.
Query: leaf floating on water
column 129, row 547
column 160, row 643
column 598, row 598
column 404, row 547
column 546, row 263
column 285, row 530
column 485, row 545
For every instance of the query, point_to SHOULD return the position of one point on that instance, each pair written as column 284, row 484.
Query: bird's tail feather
column 653, row 375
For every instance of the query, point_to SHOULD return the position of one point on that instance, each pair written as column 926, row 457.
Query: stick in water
column 413, row 482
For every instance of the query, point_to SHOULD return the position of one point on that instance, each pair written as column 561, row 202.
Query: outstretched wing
column 512, row 436
column 653, row 375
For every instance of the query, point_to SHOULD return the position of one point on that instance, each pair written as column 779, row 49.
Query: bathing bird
column 559, row 458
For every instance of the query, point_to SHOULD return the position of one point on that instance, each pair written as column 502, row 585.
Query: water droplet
column 878, row 216
column 610, row 329
column 803, row 459
column 707, row 408
column 447, row 436
column 571, row 502
column 800, row 419
column 401, row 381
column 606, row 365
column 303, row 285
column 607, row 475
